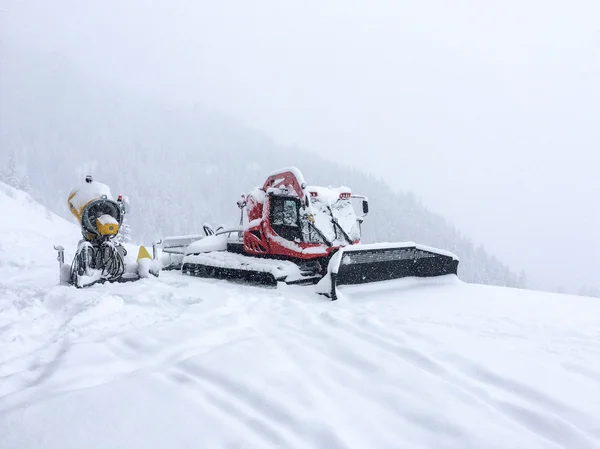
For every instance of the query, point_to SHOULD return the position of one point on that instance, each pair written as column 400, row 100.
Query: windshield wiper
column 327, row 242
column 335, row 222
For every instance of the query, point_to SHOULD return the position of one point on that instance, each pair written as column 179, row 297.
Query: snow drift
column 183, row 362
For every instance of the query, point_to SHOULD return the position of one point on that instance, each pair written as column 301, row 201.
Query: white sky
column 488, row 110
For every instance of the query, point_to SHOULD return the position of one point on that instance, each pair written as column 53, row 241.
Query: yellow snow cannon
column 99, row 216
column 100, row 256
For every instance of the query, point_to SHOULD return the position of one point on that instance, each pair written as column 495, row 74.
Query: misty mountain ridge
column 180, row 167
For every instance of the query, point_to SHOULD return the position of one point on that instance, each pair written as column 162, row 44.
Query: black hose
column 105, row 257
column 110, row 261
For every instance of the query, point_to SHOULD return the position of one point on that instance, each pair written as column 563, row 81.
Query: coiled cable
column 105, row 257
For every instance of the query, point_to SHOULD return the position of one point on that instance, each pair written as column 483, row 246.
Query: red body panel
column 261, row 239
column 254, row 208
column 285, row 179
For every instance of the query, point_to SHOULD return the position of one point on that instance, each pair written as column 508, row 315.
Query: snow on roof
column 296, row 172
column 328, row 195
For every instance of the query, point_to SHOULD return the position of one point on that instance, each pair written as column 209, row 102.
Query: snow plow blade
column 361, row 264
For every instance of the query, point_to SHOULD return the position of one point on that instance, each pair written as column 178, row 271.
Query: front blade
column 362, row 264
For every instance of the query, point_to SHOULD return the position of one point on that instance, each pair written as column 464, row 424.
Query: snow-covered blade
column 232, row 266
column 361, row 264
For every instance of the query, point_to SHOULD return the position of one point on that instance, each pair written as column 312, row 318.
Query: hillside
column 28, row 232
column 182, row 168
column 182, row 362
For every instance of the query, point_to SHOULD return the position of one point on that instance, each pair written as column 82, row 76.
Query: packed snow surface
column 182, row 362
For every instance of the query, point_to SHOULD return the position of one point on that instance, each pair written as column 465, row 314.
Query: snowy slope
column 28, row 232
column 180, row 362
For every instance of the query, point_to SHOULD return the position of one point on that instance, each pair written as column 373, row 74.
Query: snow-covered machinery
column 99, row 256
column 294, row 233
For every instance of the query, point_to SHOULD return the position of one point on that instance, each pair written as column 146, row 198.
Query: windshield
column 324, row 215
column 316, row 223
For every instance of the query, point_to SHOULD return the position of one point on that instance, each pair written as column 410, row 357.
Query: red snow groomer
column 298, row 234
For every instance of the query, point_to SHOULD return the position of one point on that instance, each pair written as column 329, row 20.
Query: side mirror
column 365, row 207
column 241, row 203
column 124, row 201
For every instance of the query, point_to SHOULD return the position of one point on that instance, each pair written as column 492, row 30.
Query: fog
column 490, row 112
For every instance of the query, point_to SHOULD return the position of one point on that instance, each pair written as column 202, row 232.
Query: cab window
column 285, row 218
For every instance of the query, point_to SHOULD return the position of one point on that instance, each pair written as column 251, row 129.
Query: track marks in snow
column 587, row 373
column 548, row 426
column 523, row 405
column 289, row 369
column 273, row 419
column 233, row 407
column 397, row 348
column 44, row 370
column 533, row 409
column 37, row 371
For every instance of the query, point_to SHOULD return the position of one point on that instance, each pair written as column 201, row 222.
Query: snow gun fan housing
column 99, row 216
column 99, row 256
column 298, row 234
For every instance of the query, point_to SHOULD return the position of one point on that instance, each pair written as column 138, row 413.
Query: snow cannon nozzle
column 89, row 179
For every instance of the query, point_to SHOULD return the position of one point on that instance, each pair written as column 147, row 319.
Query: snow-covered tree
column 24, row 184
column 124, row 235
column 10, row 175
column 586, row 290
column 522, row 280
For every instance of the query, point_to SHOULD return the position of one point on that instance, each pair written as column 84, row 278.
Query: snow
column 341, row 209
column 280, row 269
column 146, row 267
column 210, row 243
column 87, row 279
column 252, row 223
column 384, row 245
column 87, row 192
column 178, row 244
column 328, row 195
column 28, row 231
column 107, row 219
column 182, row 362
column 294, row 170
column 259, row 195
